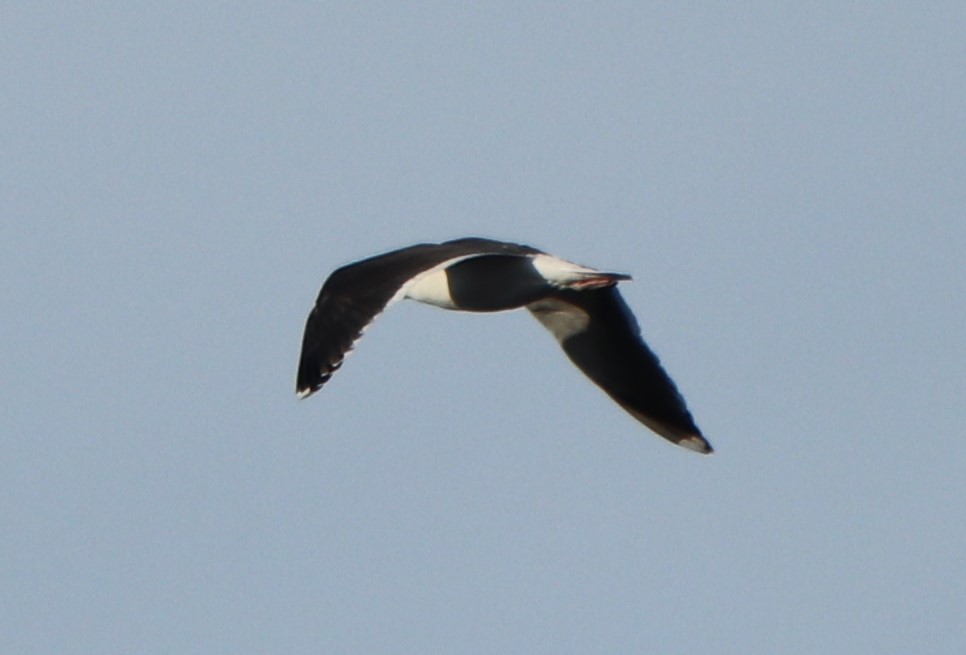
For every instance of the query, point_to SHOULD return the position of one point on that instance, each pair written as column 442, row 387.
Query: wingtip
column 697, row 443
column 303, row 393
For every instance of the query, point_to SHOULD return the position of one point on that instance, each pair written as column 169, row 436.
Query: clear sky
column 785, row 181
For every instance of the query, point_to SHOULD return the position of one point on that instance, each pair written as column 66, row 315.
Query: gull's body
column 580, row 306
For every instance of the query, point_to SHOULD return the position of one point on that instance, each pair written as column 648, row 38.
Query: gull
column 580, row 306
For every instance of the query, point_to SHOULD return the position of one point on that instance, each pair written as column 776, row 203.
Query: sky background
column 786, row 182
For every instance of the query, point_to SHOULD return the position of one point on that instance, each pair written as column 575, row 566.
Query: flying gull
column 580, row 306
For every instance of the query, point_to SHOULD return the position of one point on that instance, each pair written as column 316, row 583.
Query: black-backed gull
column 580, row 306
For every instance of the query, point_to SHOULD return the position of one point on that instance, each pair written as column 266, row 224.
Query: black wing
column 356, row 293
column 349, row 300
column 599, row 334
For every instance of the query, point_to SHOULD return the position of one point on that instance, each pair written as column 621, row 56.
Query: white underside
column 431, row 286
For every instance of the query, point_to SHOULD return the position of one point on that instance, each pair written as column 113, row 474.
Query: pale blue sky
column 786, row 183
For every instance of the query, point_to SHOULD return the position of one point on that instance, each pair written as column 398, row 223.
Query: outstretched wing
column 356, row 293
column 349, row 300
column 332, row 327
column 599, row 334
